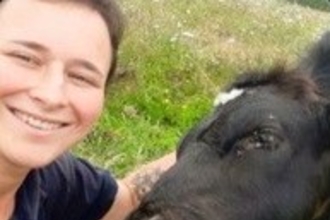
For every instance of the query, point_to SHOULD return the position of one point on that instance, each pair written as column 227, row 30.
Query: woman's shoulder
column 75, row 175
column 73, row 188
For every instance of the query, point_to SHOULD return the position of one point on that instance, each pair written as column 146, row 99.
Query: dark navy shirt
column 68, row 189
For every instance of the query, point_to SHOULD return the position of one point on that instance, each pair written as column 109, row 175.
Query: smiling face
column 54, row 60
column 263, row 155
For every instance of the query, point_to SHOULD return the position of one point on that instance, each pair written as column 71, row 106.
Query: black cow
column 262, row 154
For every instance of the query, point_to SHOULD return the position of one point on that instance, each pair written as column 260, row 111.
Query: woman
column 56, row 59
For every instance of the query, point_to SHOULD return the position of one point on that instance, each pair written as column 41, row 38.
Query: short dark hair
column 112, row 16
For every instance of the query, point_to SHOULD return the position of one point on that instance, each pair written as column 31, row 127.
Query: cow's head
column 262, row 154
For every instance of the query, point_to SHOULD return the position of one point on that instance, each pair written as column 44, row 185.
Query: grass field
column 176, row 56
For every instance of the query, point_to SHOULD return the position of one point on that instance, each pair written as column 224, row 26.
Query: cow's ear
column 316, row 62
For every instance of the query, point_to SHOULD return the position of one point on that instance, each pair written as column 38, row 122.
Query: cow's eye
column 264, row 139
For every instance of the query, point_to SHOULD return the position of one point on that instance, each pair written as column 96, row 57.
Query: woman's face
column 54, row 60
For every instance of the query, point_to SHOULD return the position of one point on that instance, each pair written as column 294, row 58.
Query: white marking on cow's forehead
column 156, row 217
column 271, row 116
column 224, row 97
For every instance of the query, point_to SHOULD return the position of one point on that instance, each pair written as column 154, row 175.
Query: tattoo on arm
column 143, row 182
column 140, row 182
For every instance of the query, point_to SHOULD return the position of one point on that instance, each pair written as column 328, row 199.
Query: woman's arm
column 135, row 185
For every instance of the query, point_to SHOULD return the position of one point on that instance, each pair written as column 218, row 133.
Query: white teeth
column 37, row 122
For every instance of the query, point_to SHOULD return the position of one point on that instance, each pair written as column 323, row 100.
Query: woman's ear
column 316, row 62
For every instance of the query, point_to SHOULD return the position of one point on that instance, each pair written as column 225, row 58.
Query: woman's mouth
column 37, row 122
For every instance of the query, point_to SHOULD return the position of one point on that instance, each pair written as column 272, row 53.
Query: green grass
column 177, row 55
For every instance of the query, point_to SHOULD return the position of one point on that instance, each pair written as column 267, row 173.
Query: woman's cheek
column 88, row 106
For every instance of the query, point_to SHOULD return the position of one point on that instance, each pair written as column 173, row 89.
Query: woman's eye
column 82, row 80
column 25, row 58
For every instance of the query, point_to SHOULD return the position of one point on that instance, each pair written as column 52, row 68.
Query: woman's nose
column 50, row 89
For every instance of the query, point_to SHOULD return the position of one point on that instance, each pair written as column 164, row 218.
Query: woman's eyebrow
column 32, row 45
column 39, row 47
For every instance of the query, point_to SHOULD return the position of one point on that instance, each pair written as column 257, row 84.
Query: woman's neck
column 7, row 206
column 11, row 178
